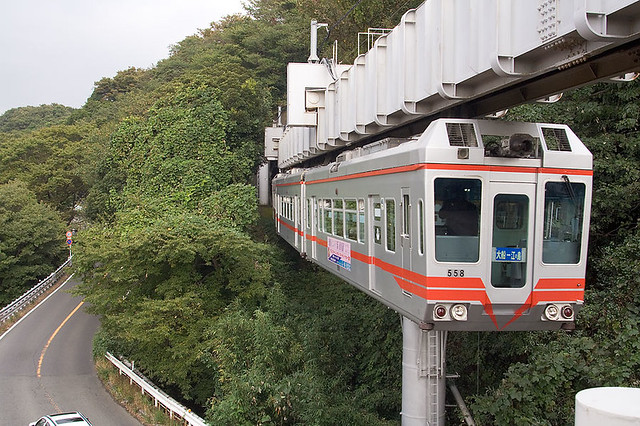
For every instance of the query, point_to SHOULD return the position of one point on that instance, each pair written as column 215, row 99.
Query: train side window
column 309, row 213
column 338, row 218
column 406, row 206
column 351, row 219
column 420, row 227
column 563, row 221
column 285, row 205
column 390, row 210
column 283, row 211
column 457, row 206
column 377, row 217
column 361, row 221
column 328, row 217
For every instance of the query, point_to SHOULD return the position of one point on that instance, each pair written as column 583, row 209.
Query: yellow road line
column 44, row 350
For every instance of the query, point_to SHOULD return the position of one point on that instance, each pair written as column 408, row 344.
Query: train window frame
column 454, row 232
column 351, row 219
column 557, row 249
column 378, row 208
column 406, row 215
column 390, row 216
column 510, row 245
column 285, row 207
column 327, row 216
column 421, row 226
column 361, row 220
column 283, row 211
column 338, row 217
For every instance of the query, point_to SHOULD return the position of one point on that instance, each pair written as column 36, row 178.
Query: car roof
column 73, row 418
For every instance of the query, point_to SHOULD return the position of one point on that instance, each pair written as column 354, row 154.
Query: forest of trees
column 157, row 171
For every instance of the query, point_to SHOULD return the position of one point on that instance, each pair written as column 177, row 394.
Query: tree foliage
column 52, row 161
column 31, row 240
column 32, row 118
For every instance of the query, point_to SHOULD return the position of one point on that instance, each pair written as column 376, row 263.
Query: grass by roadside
column 130, row 397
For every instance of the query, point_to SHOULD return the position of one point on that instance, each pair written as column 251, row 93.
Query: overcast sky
column 52, row 51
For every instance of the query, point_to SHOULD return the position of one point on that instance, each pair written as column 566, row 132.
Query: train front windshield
column 457, row 219
column 563, row 222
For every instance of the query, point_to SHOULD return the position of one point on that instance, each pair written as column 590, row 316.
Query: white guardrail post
column 28, row 297
column 159, row 397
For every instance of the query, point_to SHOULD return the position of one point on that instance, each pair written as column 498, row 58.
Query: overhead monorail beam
column 622, row 60
column 459, row 58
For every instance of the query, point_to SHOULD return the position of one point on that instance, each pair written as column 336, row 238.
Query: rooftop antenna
column 313, row 55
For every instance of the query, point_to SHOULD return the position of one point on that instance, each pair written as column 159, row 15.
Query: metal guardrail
column 159, row 397
column 17, row 305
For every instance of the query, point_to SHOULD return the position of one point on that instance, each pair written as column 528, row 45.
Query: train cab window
column 563, row 220
column 509, row 243
column 457, row 205
column 390, row 210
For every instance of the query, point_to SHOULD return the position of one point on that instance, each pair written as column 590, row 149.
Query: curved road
column 46, row 366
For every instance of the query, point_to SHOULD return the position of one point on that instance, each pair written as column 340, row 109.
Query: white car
column 68, row 419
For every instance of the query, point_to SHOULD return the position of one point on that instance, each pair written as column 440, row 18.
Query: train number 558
column 455, row 272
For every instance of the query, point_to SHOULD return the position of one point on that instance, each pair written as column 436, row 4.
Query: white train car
column 474, row 225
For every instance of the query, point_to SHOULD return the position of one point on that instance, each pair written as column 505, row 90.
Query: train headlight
column 567, row 312
column 459, row 312
column 440, row 312
column 552, row 312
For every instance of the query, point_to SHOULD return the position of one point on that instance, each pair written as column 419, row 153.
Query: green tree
column 32, row 118
column 53, row 162
column 109, row 89
column 31, row 240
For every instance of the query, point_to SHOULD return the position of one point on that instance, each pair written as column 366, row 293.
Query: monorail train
column 473, row 225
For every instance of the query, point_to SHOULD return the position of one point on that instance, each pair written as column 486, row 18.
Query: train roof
column 471, row 142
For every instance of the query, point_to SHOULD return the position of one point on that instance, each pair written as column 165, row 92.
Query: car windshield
column 70, row 420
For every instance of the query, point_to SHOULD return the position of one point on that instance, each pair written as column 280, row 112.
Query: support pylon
column 423, row 375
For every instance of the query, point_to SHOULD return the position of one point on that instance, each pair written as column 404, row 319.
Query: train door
column 374, row 237
column 405, row 234
column 511, row 241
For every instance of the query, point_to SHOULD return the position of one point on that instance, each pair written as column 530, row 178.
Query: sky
column 53, row 51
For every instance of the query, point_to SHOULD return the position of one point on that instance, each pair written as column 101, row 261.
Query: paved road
column 67, row 379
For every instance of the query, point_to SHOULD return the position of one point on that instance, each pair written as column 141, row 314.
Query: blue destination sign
column 509, row 254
